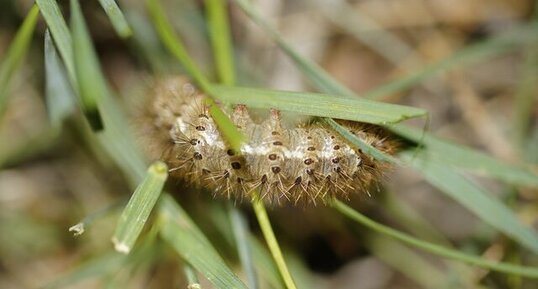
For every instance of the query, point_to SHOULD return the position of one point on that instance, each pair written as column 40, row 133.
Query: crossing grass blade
column 59, row 94
column 485, row 164
column 15, row 54
column 117, row 18
column 178, row 230
column 317, row 104
column 87, row 69
column 139, row 207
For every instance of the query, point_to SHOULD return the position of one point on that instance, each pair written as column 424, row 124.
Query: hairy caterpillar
column 306, row 163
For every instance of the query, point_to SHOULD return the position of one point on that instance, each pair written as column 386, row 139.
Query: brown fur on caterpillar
column 306, row 163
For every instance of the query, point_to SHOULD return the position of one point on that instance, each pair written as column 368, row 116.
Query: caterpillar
column 309, row 162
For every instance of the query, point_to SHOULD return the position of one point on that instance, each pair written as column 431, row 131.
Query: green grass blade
column 59, row 31
column 88, row 72
column 139, row 207
column 468, row 159
column 489, row 209
column 405, row 260
column 98, row 266
column 319, row 104
column 507, row 41
column 176, row 47
column 58, row 92
column 240, row 232
column 221, row 40
column 116, row 17
column 318, row 77
column 225, row 125
column 15, row 54
column 522, row 235
column 530, row 272
column 178, row 230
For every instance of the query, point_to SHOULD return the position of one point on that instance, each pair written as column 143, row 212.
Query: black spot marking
column 335, row 160
column 298, row 180
column 239, row 180
column 200, row 128
column 337, row 169
column 272, row 157
column 197, row 156
column 277, row 143
column 311, row 149
column 275, row 170
column 226, row 174
column 309, row 171
column 308, row 161
column 275, row 133
column 236, row 165
column 193, row 141
column 203, row 115
column 332, row 136
column 230, row 152
column 264, row 179
column 336, row 147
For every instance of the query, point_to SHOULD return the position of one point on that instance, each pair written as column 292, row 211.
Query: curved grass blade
column 317, row 104
column 15, row 54
column 90, row 80
column 139, row 207
column 530, row 272
column 489, row 209
column 116, row 17
column 178, row 230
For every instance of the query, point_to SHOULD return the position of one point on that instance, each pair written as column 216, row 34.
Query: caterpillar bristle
column 305, row 164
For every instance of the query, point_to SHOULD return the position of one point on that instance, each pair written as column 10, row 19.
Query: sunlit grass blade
column 116, row 17
column 59, row 31
column 468, row 159
column 58, row 93
column 530, row 272
column 139, row 207
column 221, row 40
column 15, row 54
column 489, row 209
column 316, row 104
column 180, row 232
column 87, row 68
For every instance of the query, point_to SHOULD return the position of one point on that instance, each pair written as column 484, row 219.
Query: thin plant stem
column 530, row 272
column 272, row 243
